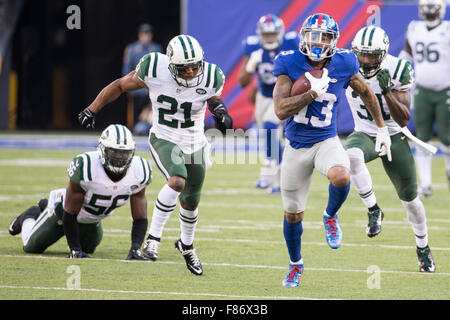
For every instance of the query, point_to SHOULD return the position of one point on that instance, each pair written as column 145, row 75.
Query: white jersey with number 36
column 431, row 53
column 178, row 112
column 402, row 77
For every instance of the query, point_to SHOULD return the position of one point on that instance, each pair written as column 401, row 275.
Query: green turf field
column 239, row 240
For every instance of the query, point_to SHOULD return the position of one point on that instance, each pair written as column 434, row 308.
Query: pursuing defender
column 100, row 181
column 390, row 78
column 428, row 46
column 311, row 130
column 259, row 52
column 180, row 85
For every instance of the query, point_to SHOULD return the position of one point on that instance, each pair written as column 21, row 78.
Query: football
column 302, row 85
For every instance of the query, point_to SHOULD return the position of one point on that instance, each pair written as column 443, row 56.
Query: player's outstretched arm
column 398, row 101
column 368, row 98
column 72, row 206
column 245, row 77
column 285, row 105
column 111, row 92
column 383, row 139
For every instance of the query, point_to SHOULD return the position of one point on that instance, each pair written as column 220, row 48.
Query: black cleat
column 16, row 225
column 374, row 225
column 135, row 254
column 426, row 263
column 192, row 261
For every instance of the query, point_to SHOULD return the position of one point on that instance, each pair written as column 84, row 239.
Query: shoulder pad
column 290, row 35
column 147, row 66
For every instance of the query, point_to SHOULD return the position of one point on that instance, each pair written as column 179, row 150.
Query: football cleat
column 150, row 249
column 333, row 231
column 426, row 192
column 78, row 254
column 192, row 261
column 425, row 259
column 135, row 254
column 16, row 225
column 374, row 225
column 293, row 276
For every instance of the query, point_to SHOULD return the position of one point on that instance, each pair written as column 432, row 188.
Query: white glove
column 383, row 143
column 319, row 85
column 255, row 59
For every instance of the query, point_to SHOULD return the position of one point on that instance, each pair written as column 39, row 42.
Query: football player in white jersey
column 390, row 78
column 100, row 181
column 181, row 83
column 428, row 46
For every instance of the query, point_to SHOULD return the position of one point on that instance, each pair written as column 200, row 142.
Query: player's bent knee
column 32, row 249
column 339, row 176
column 294, row 217
column 177, row 183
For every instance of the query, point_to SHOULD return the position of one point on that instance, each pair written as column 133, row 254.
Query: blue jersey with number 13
column 317, row 121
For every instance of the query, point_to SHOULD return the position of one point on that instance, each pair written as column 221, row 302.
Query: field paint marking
column 228, row 265
column 168, row 293
column 126, row 235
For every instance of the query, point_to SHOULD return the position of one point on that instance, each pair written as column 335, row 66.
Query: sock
column 416, row 216
column 138, row 231
column 336, row 198
column 164, row 206
column 188, row 222
column 292, row 234
column 423, row 161
column 361, row 178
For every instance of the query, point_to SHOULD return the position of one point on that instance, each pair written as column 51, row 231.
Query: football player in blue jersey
column 311, row 130
column 259, row 52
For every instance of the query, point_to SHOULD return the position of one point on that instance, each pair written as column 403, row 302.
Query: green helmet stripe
column 125, row 135
column 117, row 133
column 371, row 36
column 191, row 46
column 364, row 36
column 184, row 47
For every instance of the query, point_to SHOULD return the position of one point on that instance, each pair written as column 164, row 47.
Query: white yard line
column 216, row 295
column 226, row 265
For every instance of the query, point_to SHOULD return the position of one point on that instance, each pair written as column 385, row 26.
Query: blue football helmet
column 318, row 36
column 270, row 30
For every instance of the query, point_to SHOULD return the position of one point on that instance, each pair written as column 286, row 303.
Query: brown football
column 302, row 85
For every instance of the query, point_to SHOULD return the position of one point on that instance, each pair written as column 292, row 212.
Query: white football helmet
column 432, row 11
column 373, row 42
column 185, row 52
column 117, row 147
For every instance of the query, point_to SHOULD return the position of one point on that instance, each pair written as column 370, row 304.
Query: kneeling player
column 390, row 78
column 100, row 181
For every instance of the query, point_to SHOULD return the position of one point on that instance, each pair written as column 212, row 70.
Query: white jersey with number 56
column 178, row 112
column 431, row 53
column 402, row 77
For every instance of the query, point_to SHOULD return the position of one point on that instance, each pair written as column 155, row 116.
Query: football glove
column 77, row 254
column 87, row 118
column 385, row 81
column 217, row 109
column 135, row 254
column 255, row 59
column 383, row 143
column 319, row 85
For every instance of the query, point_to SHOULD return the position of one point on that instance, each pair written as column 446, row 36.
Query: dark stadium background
column 64, row 69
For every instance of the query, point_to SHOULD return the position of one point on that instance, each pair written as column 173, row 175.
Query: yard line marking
column 162, row 292
column 227, row 265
